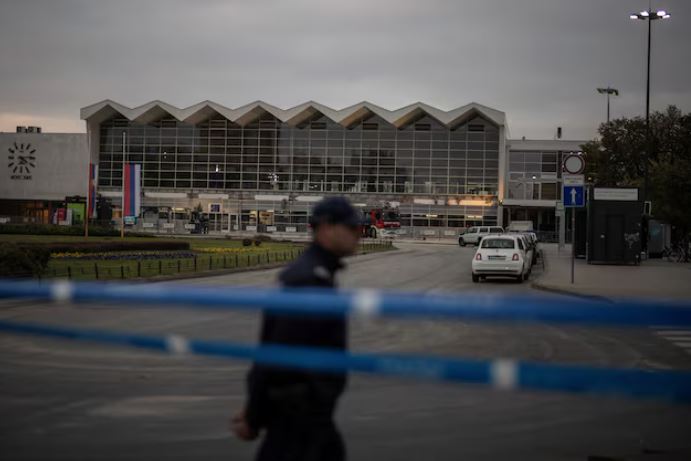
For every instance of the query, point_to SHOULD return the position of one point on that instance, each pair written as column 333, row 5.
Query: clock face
column 21, row 158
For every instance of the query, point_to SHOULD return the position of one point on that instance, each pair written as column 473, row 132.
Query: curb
column 215, row 273
column 537, row 285
column 565, row 291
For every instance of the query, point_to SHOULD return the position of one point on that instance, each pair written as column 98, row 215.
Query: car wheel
column 527, row 274
column 519, row 279
column 461, row 242
column 476, row 278
column 373, row 233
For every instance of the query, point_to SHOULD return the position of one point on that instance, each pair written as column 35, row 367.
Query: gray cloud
column 538, row 60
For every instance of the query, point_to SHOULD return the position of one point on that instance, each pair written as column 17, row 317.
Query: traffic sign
column 574, row 164
column 573, row 196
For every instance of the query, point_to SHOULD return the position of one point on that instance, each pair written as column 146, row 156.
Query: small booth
column 614, row 225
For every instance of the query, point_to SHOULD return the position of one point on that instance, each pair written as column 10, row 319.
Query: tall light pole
column 650, row 16
column 608, row 91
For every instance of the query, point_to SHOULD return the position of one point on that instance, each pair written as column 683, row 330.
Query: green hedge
column 50, row 229
column 97, row 247
column 20, row 261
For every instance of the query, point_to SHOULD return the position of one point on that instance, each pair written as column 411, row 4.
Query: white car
column 474, row 234
column 530, row 241
column 502, row 256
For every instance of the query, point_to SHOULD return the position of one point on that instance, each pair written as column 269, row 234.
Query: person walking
column 295, row 408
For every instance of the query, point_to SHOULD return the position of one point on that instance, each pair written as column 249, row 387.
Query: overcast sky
column 539, row 61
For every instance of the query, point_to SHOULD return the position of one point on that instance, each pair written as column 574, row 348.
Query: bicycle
column 678, row 252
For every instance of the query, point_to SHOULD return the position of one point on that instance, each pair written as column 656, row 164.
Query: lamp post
column 608, row 91
column 650, row 16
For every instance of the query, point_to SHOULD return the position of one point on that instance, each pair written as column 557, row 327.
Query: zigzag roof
column 245, row 114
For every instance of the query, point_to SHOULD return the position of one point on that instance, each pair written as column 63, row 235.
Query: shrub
column 100, row 247
column 257, row 242
column 18, row 261
column 247, row 242
column 50, row 229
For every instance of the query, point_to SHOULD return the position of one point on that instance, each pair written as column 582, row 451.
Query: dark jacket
column 275, row 392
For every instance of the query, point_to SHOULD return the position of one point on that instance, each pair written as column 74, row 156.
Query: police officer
column 294, row 407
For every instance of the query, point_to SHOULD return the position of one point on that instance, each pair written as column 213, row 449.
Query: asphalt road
column 60, row 400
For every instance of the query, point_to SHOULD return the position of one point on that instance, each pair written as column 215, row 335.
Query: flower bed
column 225, row 250
column 123, row 256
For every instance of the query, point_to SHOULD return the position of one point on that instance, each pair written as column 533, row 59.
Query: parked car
column 503, row 256
column 530, row 249
column 474, row 234
column 530, row 239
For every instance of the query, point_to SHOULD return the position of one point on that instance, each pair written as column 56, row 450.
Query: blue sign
column 573, row 196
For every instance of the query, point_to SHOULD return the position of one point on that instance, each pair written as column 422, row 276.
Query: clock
column 21, row 158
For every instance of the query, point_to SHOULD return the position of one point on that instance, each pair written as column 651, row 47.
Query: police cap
column 335, row 210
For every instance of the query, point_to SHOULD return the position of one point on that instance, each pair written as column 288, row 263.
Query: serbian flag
column 131, row 189
column 93, row 181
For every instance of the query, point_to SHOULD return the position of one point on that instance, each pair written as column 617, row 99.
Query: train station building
column 261, row 168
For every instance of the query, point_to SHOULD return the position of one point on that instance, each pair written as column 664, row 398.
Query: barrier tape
column 505, row 374
column 370, row 303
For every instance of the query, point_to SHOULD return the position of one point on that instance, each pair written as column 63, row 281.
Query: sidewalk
column 654, row 278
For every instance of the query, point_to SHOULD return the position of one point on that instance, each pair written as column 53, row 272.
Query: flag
column 93, row 182
column 131, row 189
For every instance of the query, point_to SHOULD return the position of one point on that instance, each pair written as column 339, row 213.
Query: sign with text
column 615, row 194
column 573, row 179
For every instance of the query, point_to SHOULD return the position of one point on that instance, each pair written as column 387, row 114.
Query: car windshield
column 390, row 216
column 498, row 243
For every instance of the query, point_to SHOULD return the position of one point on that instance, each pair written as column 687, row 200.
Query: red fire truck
column 380, row 222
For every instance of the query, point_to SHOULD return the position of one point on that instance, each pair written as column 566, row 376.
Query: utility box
column 614, row 225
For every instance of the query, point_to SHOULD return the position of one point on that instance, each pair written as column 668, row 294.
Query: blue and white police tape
column 674, row 386
column 462, row 306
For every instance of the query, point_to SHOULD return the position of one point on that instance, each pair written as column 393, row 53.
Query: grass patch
column 269, row 252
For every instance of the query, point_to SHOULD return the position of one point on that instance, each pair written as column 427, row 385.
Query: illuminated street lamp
column 650, row 16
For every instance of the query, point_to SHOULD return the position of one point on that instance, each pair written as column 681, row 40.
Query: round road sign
column 574, row 164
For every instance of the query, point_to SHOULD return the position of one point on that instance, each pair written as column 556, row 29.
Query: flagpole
column 122, row 205
column 88, row 181
column 88, row 196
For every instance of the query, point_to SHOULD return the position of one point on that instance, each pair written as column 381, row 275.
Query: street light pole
column 650, row 16
column 608, row 91
column 647, row 79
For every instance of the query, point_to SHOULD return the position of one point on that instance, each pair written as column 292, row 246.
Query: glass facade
column 534, row 175
column 318, row 155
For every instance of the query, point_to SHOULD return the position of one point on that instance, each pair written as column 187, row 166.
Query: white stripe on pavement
column 680, row 338
column 686, row 333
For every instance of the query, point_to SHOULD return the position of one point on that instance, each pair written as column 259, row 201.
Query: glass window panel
column 549, row 191
column 533, row 157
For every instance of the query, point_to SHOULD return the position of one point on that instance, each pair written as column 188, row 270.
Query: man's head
column 336, row 225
